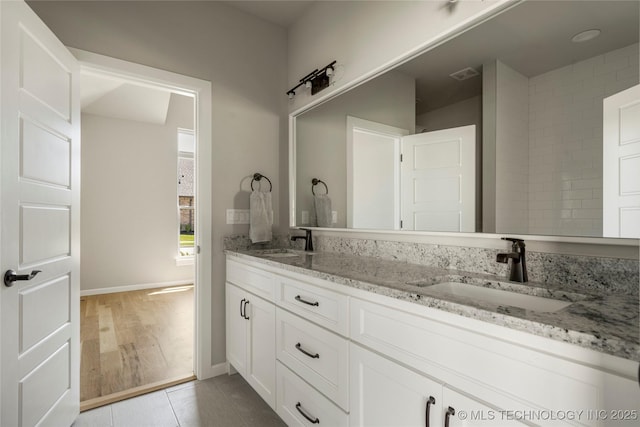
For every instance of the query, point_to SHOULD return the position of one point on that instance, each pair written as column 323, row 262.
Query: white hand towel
column 260, row 217
column 322, row 204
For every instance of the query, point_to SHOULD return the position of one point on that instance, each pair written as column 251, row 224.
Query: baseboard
column 214, row 371
column 127, row 288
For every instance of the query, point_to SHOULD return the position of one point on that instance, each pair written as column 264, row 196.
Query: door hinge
column 198, row 249
column 401, row 158
column 401, row 224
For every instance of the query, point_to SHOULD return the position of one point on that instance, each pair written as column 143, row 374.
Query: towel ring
column 258, row 177
column 316, row 181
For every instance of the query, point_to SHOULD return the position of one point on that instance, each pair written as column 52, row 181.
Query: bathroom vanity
column 334, row 339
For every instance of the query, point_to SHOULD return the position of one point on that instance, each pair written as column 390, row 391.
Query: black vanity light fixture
column 316, row 80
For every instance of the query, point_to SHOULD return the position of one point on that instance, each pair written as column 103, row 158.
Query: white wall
column 566, row 141
column 512, row 151
column 364, row 36
column 245, row 60
column 321, row 135
column 129, row 195
column 462, row 113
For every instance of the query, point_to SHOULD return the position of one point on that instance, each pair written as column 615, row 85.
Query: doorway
column 124, row 200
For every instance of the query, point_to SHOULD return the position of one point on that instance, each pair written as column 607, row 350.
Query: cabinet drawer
column 502, row 373
column 251, row 279
column 322, row 306
column 317, row 355
column 297, row 400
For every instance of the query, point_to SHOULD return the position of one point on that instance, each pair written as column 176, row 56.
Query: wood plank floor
column 132, row 339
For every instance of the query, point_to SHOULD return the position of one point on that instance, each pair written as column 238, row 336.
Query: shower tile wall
column 565, row 141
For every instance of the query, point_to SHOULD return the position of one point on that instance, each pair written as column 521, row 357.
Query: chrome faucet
column 518, row 272
column 308, row 239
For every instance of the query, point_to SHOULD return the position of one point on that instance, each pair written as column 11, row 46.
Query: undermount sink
column 499, row 297
column 281, row 255
column 278, row 253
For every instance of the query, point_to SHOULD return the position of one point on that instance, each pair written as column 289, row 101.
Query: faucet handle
column 517, row 243
column 512, row 239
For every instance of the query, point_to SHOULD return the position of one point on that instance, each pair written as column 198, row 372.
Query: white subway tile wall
column 565, row 141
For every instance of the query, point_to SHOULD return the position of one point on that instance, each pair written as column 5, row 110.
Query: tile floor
column 226, row 400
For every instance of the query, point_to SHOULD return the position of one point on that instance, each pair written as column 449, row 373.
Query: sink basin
column 281, row 255
column 499, row 297
column 277, row 253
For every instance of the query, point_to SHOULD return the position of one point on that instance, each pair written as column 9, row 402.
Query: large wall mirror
column 498, row 130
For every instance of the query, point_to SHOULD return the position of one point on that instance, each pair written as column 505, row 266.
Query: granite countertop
column 607, row 323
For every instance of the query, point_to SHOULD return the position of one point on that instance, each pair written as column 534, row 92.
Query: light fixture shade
column 291, row 94
column 308, row 84
column 329, row 71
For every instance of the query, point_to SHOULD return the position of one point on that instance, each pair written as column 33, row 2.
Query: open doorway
column 142, row 316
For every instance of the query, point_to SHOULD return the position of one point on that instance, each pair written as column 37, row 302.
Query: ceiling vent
column 464, row 74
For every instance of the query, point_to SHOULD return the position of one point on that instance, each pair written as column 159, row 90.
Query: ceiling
column 282, row 13
column 532, row 38
column 115, row 98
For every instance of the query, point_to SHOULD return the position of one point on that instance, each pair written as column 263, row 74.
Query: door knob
column 11, row 276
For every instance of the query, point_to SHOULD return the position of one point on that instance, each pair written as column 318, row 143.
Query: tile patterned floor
column 220, row 401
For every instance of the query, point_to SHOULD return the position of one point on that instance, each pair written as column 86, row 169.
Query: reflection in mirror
column 498, row 130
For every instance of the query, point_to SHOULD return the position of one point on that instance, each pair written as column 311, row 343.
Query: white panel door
column 373, row 175
column 40, row 190
column 621, row 164
column 438, row 180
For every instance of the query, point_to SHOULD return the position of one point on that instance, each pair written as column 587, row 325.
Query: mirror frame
column 436, row 41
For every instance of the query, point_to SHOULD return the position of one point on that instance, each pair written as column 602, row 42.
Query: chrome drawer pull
column 311, row 420
column 313, row 356
column 299, row 298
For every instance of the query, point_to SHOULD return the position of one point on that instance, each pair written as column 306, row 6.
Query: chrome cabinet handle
column 450, row 412
column 299, row 298
column 302, row 350
column 430, row 401
column 11, row 276
column 311, row 420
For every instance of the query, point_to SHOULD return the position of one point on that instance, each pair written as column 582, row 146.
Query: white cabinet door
column 384, row 393
column 40, row 223
column 251, row 338
column 236, row 329
column 465, row 411
column 261, row 348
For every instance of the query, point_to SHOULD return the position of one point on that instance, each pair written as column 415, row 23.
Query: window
column 186, row 191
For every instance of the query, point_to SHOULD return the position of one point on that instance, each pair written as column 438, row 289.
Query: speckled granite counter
column 608, row 323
